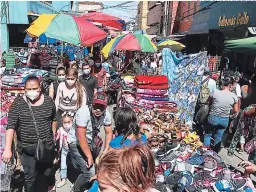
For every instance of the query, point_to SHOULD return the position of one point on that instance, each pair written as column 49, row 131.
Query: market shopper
column 61, row 137
column 223, row 103
column 127, row 129
column 89, row 82
column 88, row 123
column 127, row 169
column 70, row 94
column 100, row 73
column 20, row 120
column 54, row 86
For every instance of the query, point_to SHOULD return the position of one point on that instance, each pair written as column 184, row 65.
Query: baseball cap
column 101, row 99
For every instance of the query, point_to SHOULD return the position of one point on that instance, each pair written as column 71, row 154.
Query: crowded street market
column 90, row 105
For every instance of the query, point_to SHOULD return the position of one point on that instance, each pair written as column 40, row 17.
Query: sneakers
column 170, row 157
column 167, row 148
column 213, row 155
column 186, row 180
column 173, row 178
column 209, row 164
column 225, row 185
column 196, row 160
column 185, row 155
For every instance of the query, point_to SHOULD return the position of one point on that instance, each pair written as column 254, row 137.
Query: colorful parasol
column 67, row 28
column 129, row 42
column 105, row 19
column 173, row 45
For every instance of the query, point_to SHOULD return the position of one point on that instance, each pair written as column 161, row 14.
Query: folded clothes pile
column 13, row 82
column 152, row 93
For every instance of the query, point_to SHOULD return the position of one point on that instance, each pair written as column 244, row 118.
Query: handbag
column 97, row 141
column 44, row 150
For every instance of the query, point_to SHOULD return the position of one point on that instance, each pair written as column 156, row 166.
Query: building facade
column 142, row 14
column 16, row 18
column 184, row 16
column 88, row 7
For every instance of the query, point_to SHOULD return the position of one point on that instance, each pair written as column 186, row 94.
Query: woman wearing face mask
column 20, row 121
column 62, row 133
column 70, row 94
column 100, row 73
column 223, row 103
column 54, row 86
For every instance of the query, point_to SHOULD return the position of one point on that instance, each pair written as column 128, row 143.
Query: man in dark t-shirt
column 90, row 83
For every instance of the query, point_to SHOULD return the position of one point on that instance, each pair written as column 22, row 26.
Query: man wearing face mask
column 83, row 135
column 21, row 121
column 89, row 82
column 100, row 73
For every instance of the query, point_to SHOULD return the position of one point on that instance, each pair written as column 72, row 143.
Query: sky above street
column 125, row 12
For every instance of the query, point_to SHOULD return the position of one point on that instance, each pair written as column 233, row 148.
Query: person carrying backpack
column 207, row 87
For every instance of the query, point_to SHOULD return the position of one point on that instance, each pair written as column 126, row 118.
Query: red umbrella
column 105, row 19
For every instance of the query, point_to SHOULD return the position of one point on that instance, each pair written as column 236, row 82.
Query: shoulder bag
column 44, row 149
column 97, row 141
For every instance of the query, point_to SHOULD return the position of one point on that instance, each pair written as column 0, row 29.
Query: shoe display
column 196, row 160
column 229, row 185
column 185, row 180
column 209, row 164
column 167, row 148
column 173, row 178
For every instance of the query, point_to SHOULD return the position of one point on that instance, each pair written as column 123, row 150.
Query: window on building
column 195, row 6
column 188, row 14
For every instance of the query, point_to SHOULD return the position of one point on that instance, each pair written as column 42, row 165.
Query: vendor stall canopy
column 105, row 19
column 67, row 28
column 169, row 43
column 129, row 42
column 246, row 45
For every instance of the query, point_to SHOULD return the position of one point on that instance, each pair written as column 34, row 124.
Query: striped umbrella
column 67, row 28
column 129, row 42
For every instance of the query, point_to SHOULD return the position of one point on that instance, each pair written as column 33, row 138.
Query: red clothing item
column 153, row 87
column 100, row 76
column 151, row 80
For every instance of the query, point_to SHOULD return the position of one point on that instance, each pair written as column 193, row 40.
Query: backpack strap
column 96, row 126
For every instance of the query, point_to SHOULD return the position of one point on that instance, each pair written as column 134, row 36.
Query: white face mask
column 32, row 95
column 87, row 71
column 71, row 82
column 61, row 78
column 67, row 126
column 97, row 64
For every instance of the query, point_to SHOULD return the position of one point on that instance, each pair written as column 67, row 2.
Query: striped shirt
column 20, row 119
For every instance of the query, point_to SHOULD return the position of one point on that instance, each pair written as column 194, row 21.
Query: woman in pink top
column 70, row 94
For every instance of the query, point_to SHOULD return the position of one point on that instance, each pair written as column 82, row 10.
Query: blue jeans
column 63, row 163
column 79, row 161
column 215, row 129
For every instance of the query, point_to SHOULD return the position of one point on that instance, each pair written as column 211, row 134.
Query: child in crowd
column 127, row 129
column 67, row 122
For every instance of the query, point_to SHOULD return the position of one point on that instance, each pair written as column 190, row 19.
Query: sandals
column 191, row 138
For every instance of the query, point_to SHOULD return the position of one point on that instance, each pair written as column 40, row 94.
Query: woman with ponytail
column 70, row 94
column 127, row 129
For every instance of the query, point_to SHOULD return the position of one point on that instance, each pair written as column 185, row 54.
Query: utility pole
column 166, row 9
